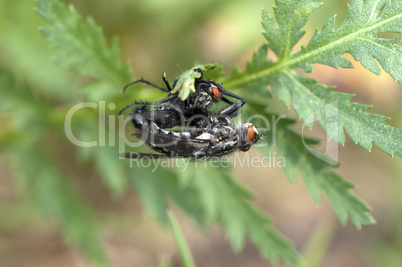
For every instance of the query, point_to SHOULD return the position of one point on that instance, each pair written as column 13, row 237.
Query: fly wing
column 136, row 155
column 163, row 118
column 175, row 143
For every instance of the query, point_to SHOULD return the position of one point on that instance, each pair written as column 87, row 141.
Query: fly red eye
column 250, row 133
column 216, row 91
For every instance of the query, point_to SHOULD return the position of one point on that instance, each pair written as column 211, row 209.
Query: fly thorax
column 203, row 101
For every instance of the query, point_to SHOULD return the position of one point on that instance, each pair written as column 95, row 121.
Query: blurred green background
column 157, row 36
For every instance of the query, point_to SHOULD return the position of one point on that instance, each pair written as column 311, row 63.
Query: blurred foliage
column 157, row 36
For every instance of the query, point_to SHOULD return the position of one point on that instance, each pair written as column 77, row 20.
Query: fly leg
column 149, row 83
column 167, row 99
column 233, row 110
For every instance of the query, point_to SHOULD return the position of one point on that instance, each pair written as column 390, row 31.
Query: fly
column 216, row 138
column 168, row 116
column 199, row 102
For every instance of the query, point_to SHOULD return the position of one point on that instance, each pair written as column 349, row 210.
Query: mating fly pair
column 202, row 134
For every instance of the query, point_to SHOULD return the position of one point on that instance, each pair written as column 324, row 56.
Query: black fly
column 217, row 137
column 172, row 111
column 202, row 134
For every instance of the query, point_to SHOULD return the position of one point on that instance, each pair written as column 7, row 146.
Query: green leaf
column 357, row 36
column 228, row 203
column 38, row 174
column 291, row 16
column 82, row 47
column 157, row 186
column 297, row 155
column 335, row 112
column 247, row 79
column 185, row 81
column 54, row 196
column 313, row 101
column 30, row 111
column 318, row 175
column 110, row 168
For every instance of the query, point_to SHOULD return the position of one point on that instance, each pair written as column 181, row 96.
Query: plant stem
column 184, row 250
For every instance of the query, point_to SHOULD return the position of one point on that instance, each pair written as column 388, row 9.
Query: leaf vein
column 285, row 64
